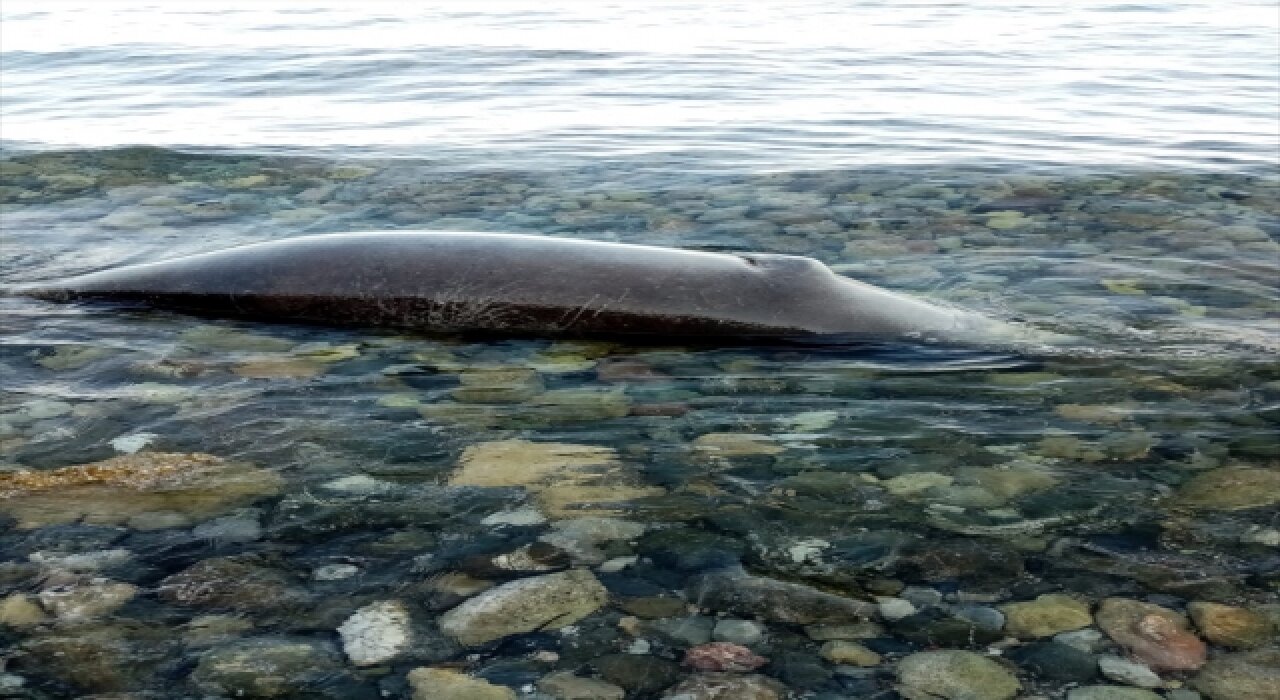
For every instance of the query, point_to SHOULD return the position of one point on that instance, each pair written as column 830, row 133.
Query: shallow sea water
column 198, row 507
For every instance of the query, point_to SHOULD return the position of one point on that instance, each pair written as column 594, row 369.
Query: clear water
column 1105, row 170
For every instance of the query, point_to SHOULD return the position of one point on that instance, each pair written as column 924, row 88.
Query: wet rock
column 539, row 602
column 114, row 490
column 1250, row 675
column 211, row 630
column 237, row 583
column 334, row 572
column 736, row 592
column 1056, row 661
column 686, row 549
column 745, row 632
column 86, row 601
column 1128, row 672
column 1156, row 636
column 1084, row 640
column 727, row 445
column 894, row 608
column 976, row 563
column 800, row 670
column 564, row 685
column 583, row 538
column 303, row 517
column 447, row 684
column 376, row 633
column 849, row 653
column 244, row 526
column 680, row 632
column 723, row 656
column 981, row 616
column 1231, row 488
column 563, row 478
column 639, row 674
column 1046, row 616
column 654, row 607
column 265, row 668
column 954, row 675
column 122, row 656
column 1230, row 626
column 936, row 627
column 498, row 385
column 726, row 686
column 1110, row 692
column 19, row 611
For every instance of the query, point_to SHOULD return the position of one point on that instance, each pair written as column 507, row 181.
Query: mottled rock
column 376, row 633
column 113, row 491
column 1231, row 488
column 736, row 592
column 1046, row 616
column 1230, row 626
column 1250, row 675
column 1128, row 672
column 264, row 668
column 955, row 675
column 563, row 478
column 88, row 600
column 723, row 656
column 849, row 653
column 582, row 538
column 726, row 686
column 447, row 684
column 19, row 611
column 1156, row 636
column 539, row 602
column 239, row 583
column 564, row 685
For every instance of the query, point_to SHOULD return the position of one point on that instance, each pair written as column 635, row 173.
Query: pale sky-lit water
column 751, row 86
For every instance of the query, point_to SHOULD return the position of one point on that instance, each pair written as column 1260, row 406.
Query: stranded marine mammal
column 521, row 284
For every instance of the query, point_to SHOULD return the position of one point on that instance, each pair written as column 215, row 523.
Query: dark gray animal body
column 521, row 284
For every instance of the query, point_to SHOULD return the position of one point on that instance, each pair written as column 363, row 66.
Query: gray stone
column 539, row 602
column 681, row 632
column 981, row 616
column 736, row 592
column 955, row 675
column 376, row 633
column 1128, row 672
column 244, row 526
column 1087, row 639
column 744, row 632
column 264, row 668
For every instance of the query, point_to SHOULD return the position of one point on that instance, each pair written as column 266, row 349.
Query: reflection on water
column 670, row 87
column 299, row 511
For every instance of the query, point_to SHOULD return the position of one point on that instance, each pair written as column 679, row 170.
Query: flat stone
column 1231, row 488
column 1156, row 636
column 264, row 668
column 1250, row 675
column 115, row 490
column 745, row 632
column 376, row 633
column 954, row 675
column 736, row 592
column 563, row 478
column 19, row 611
column 1046, row 616
column 88, row 600
column 539, row 602
column 1231, row 626
column 849, row 653
column 637, row 673
column 564, row 685
column 1128, row 672
column 446, row 684
column 1056, row 661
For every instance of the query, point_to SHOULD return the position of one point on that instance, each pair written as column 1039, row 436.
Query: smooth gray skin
column 521, row 284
